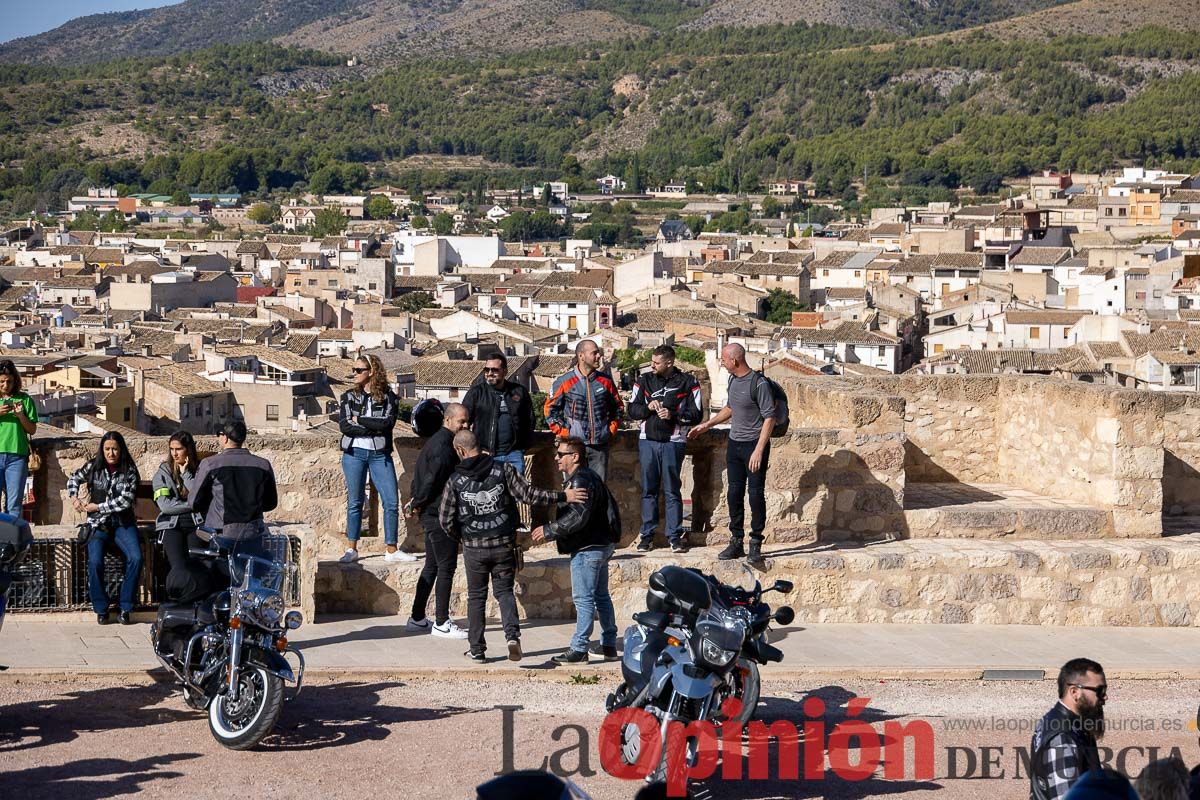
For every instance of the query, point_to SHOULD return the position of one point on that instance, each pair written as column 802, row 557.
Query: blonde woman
column 366, row 417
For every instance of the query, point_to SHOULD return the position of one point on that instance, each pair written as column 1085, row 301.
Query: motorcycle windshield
column 264, row 574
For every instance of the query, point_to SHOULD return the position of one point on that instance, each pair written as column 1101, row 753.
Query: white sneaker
column 398, row 556
column 349, row 557
column 415, row 626
column 449, row 631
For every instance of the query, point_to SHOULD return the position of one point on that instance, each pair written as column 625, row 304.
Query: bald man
column 750, row 409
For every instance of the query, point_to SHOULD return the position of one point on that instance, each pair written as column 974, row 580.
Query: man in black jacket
column 479, row 509
column 501, row 413
column 1063, row 748
column 668, row 402
column 584, row 531
column 435, row 465
column 233, row 489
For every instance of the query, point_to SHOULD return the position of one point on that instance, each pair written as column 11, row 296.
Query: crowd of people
column 465, row 491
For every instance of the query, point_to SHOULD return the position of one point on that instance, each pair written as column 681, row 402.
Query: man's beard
column 1092, row 720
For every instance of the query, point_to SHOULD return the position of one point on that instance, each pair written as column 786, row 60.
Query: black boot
column 754, row 557
column 734, row 550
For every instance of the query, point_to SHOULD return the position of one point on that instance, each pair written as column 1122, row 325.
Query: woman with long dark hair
column 18, row 421
column 112, row 480
column 367, row 416
column 177, row 523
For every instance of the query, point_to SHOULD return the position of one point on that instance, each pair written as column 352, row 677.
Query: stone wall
column 1181, row 445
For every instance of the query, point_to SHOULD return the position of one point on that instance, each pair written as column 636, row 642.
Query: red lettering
column 894, row 734
column 868, row 748
column 678, row 770
column 788, row 737
column 610, row 743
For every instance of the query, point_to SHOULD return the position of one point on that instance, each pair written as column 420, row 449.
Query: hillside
column 392, row 30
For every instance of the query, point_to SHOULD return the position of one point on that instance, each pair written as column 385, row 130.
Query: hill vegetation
column 729, row 110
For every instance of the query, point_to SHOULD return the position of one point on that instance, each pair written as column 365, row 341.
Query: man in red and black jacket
column 584, row 403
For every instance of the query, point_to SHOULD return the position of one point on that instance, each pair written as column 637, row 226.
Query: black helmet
column 427, row 417
column 15, row 538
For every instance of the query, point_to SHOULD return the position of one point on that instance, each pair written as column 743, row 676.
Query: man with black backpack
column 758, row 410
column 586, row 531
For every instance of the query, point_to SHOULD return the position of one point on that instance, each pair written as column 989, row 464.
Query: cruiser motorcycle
column 230, row 650
column 698, row 643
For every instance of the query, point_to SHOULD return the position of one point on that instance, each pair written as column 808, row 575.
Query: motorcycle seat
column 652, row 619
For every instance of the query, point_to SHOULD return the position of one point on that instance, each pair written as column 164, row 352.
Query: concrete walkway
column 379, row 646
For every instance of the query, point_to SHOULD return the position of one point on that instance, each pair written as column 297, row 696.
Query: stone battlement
column 924, row 471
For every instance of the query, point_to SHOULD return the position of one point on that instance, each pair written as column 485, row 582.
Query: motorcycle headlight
column 714, row 654
column 270, row 610
column 293, row 620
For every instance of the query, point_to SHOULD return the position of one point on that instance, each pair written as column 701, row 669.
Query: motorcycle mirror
column 785, row 615
column 783, row 587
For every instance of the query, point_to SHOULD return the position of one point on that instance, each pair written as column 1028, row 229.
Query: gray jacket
column 173, row 511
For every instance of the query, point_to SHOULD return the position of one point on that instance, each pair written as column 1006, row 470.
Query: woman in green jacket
column 18, row 421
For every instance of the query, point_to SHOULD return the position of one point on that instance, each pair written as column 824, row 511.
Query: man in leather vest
column 1063, row 748
column 479, row 509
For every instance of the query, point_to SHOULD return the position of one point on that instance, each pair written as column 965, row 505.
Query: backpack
column 782, row 415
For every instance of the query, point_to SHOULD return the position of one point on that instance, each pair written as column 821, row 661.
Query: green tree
column 379, row 207
column 780, row 305
column 86, row 220
column 329, row 222
column 181, row 198
column 261, row 213
column 443, row 224
column 538, row 399
column 113, row 221
column 413, row 302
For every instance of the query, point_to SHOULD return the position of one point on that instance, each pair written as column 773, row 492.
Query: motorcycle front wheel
column 242, row 724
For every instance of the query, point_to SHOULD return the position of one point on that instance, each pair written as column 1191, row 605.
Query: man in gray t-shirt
column 751, row 407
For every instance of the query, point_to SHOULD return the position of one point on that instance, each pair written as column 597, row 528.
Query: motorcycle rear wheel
column 242, row 725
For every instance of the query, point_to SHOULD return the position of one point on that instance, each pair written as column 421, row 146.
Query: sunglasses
column 491, row 370
column 1100, row 691
column 361, row 370
column 558, row 454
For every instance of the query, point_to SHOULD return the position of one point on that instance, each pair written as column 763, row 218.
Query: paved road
column 93, row 738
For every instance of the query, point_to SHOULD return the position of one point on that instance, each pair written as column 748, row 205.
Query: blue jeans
column 355, row 465
column 589, row 591
column 661, row 463
column 515, row 457
column 126, row 538
column 15, row 468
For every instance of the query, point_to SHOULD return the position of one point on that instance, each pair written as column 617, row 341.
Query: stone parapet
column 1125, row 583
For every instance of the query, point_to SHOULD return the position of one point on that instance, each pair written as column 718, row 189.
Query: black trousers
column 189, row 578
column 737, row 466
column 441, row 559
column 500, row 565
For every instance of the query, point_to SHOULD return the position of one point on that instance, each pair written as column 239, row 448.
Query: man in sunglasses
column 501, row 413
column 1063, row 748
column 586, row 531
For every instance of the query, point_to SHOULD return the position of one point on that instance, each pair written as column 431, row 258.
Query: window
column 371, row 287
column 572, row 323
column 937, row 348
column 453, row 393
column 1157, row 293
column 1035, row 332
column 332, row 283
column 572, row 306
column 187, row 411
column 312, row 281
column 1066, row 335
column 882, row 350
column 126, row 414
column 272, row 413
column 1108, row 212
column 825, row 273
column 1121, row 212
column 858, row 273
column 1139, row 295
column 1146, row 210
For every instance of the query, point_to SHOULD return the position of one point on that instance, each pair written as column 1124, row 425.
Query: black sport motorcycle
column 698, row 643
column 229, row 650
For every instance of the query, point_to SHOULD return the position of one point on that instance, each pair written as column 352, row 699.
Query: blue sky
column 27, row 17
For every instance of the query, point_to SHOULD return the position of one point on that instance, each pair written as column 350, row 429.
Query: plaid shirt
column 1060, row 763
column 119, row 488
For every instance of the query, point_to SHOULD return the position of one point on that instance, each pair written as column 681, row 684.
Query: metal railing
column 53, row 576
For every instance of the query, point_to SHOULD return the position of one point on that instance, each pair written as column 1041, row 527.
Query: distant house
column 609, row 184
column 673, row 230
